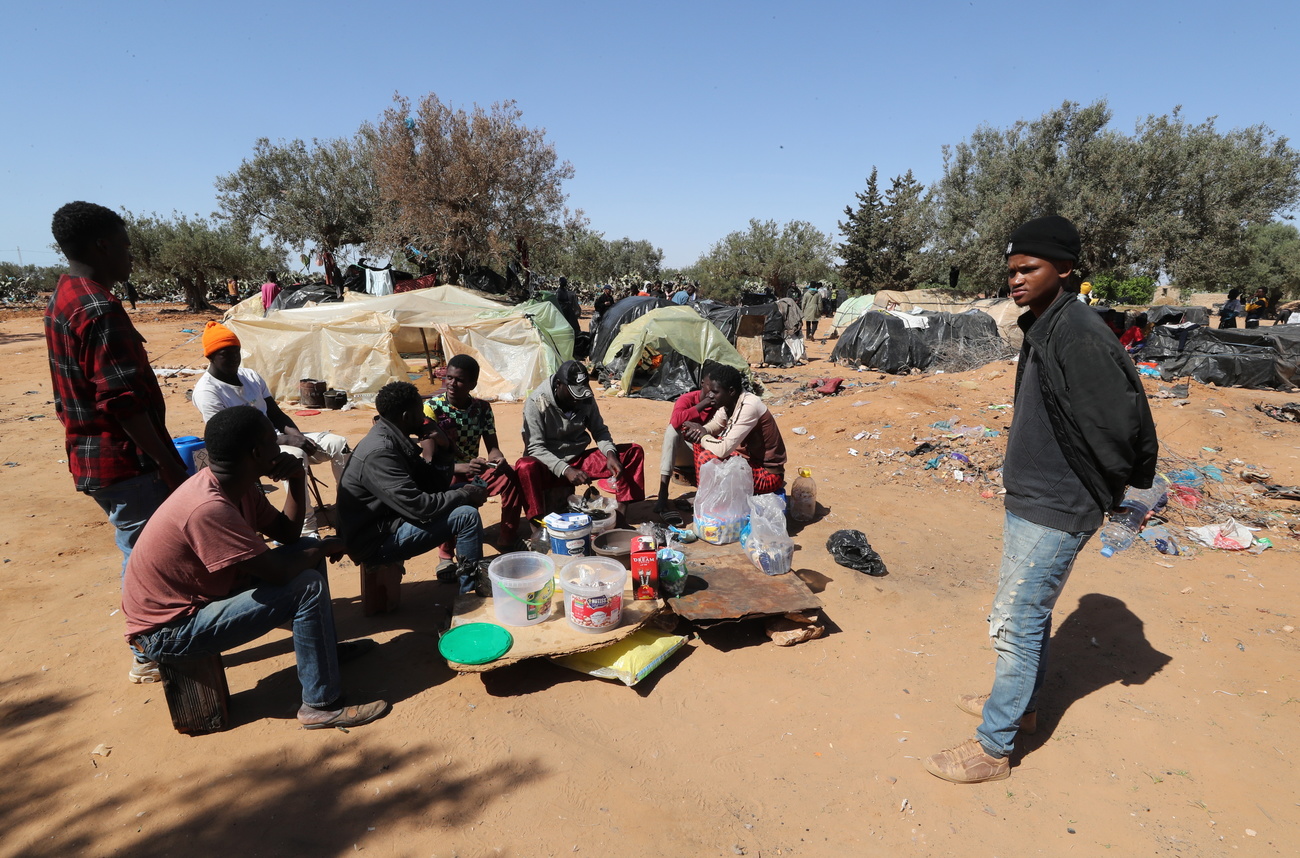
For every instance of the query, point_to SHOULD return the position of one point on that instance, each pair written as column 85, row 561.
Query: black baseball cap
column 573, row 375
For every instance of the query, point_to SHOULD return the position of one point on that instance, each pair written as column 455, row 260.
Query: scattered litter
column 859, row 436
column 800, row 430
column 1177, row 391
column 1219, row 411
column 1228, row 535
column 794, row 628
column 853, row 452
column 1160, row 537
column 850, row 548
column 102, row 750
column 1288, row 413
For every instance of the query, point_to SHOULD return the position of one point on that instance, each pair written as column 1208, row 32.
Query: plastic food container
column 570, row 533
column 523, row 583
column 597, row 605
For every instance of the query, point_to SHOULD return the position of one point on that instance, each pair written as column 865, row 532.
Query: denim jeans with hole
column 246, row 616
column 129, row 505
column 1036, row 563
column 411, row 540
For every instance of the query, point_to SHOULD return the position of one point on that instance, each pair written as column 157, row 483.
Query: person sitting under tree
column 202, row 580
column 474, row 423
column 741, row 425
column 394, row 504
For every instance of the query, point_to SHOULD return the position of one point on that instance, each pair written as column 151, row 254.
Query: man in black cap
column 560, row 421
column 1082, row 431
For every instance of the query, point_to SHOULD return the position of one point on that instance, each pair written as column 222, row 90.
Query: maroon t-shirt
column 184, row 557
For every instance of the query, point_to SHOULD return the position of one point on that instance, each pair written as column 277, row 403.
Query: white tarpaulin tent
column 357, row 345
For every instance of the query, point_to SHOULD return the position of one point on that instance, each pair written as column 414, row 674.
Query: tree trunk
column 196, row 294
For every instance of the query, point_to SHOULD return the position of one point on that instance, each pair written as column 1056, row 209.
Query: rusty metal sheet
column 724, row 585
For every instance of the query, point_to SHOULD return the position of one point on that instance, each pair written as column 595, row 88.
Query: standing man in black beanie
column 1082, row 431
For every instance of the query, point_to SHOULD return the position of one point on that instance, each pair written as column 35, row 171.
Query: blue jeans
column 411, row 540
column 1036, row 563
column 129, row 505
column 228, row 623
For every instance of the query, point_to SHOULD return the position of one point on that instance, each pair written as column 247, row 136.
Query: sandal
column 350, row 716
column 671, row 517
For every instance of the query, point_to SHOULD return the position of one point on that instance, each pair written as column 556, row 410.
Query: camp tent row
column 358, row 345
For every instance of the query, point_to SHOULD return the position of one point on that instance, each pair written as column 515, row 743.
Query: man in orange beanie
column 227, row 384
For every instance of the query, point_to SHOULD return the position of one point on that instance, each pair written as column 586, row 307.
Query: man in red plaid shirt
column 105, row 393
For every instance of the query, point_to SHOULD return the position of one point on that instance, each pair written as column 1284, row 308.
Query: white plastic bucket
column 598, row 607
column 570, row 533
column 523, row 583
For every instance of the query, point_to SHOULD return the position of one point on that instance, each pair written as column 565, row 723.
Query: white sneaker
column 144, row 672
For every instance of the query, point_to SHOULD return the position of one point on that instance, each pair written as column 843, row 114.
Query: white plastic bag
column 722, row 503
column 765, row 538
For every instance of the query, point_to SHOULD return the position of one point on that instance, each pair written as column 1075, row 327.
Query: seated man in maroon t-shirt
column 677, row 454
column 201, row 580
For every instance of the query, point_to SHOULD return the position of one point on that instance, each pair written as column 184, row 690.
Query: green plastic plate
column 475, row 643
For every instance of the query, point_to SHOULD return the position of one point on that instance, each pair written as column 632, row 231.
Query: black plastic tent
column 629, row 308
column 1162, row 314
column 319, row 293
column 1257, row 358
column 883, row 341
column 728, row 318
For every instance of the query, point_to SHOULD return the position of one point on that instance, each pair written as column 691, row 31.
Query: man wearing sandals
column 1082, row 432
column 202, row 580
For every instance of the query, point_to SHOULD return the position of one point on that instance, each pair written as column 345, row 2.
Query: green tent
column 849, row 311
column 678, row 337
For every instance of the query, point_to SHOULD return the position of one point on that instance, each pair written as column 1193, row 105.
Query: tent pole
column 428, row 359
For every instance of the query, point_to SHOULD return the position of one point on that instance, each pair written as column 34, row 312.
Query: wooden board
column 724, row 585
column 554, row 636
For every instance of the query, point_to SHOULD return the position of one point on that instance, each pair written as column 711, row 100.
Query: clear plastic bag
column 722, row 503
column 765, row 538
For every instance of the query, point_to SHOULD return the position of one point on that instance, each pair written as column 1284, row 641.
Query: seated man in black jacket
column 394, row 505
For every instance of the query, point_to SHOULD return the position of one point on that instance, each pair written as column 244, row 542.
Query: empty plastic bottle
column 1123, row 527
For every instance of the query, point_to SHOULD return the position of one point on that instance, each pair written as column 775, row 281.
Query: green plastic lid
column 475, row 643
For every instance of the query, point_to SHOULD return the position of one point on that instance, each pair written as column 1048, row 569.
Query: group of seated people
column 203, row 579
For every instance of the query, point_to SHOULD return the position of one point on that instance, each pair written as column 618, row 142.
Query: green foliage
column 586, row 256
column 1129, row 290
column 1172, row 198
column 1272, row 259
column 23, row 283
column 195, row 252
column 863, row 239
column 887, row 239
column 469, row 188
column 766, row 255
column 299, row 195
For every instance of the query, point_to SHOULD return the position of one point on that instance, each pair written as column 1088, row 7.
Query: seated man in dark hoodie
column 394, row 504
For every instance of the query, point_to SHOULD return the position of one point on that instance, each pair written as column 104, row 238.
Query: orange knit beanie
column 217, row 336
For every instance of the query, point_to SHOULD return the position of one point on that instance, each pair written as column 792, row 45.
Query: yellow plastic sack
column 629, row 660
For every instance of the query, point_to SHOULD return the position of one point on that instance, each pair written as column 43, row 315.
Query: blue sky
column 682, row 120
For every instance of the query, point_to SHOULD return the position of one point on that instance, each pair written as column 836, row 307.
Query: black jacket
column 387, row 482
column 1094, row 398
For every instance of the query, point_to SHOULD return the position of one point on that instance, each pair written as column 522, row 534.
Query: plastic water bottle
column 803, row 497
column 1123, row 527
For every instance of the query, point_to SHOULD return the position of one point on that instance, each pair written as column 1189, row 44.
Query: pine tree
column 863, row 239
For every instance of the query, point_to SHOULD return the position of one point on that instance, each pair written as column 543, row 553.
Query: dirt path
column 1169, row 723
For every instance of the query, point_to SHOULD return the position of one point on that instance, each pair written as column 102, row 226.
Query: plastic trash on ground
column 1228, row 535
column 850, row 548
column 722, row 503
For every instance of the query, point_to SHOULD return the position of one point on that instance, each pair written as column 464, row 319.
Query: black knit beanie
column 1051, row 237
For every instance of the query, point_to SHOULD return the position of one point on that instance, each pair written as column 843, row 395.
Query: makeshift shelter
column 896, row 342
column 659, row 354
column 756, row 330
column 1164, row 314
column 358, row 345
column 1257, row 358
column 613, row 319
column 307, row 295
column 850, row 311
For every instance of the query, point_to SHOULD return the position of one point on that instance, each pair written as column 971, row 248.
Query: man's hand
column 692, row 431
column 291, row 437
column 471, row 469
column 615, row 466
column 333, row 548
column 286, row 466
column 476, row 495
column 576, row 477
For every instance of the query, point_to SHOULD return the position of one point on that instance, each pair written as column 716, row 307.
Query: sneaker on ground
column 144, row 672
column 968, row 763
column 973, row 704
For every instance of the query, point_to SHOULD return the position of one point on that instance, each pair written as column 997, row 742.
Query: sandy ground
column 1168, row 724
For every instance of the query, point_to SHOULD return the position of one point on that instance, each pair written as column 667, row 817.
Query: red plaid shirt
column 100, row 371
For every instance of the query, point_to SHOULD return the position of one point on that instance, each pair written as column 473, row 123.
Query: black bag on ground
column 850, row 548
